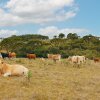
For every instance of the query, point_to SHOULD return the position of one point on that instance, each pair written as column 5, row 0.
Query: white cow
column 81, row 59
column 77, row 59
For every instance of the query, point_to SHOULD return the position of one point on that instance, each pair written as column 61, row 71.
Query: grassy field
column 52, row 81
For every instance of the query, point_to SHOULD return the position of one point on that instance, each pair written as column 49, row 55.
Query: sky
column 49, row 17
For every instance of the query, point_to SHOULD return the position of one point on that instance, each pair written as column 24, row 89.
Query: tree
column 88, row 45
column 55, row 36
column 90, row 38
column 6, row 44
column 61, row 35
column 72, row 36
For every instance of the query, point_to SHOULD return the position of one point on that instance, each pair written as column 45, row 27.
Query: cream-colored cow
column 77, row 59
column 54, row 57
column 12, row 70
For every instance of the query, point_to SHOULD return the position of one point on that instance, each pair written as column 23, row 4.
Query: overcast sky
column 49, row 17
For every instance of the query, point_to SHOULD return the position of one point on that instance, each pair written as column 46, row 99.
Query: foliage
column 29, row 75
column 41, row 45
column 61, row 35
column 72, row 36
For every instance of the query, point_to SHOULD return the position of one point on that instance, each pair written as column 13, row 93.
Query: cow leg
column 0, row 74
column 7, row 74
column 78, row 65
column 54, row 60
column 74, row 64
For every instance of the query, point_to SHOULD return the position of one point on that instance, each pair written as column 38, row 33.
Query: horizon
column 57, row 36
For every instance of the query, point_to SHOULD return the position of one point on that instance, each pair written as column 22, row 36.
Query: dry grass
column 53, row 81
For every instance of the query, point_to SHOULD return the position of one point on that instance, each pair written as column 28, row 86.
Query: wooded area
column 73, row 44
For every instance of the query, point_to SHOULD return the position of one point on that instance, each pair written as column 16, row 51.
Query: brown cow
column 12, row 55
column 96, row 60
column 31, row 56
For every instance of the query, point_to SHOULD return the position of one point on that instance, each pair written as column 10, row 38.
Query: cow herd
column 20, row 70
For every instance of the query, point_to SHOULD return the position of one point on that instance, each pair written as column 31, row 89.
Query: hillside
column 41, row 45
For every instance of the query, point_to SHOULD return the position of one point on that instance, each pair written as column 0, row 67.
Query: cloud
column 7, row 19
column 7, row 33
column 52, row 30
column 37, row 11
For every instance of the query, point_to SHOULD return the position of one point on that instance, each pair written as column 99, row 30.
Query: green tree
column 72, row 36
column 72, row 45
column 90, row 38
column 55, row 36
column 61, row 35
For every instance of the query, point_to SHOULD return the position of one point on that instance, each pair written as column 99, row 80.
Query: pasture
column 52, row 81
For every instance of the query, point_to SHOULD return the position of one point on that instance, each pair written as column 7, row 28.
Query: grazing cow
column 96, row 60
column 13, row 70
column 81, row 59
column 54, row 57
column 12, row 55
column 31, row 56
column 49, row 56
column 77, row 59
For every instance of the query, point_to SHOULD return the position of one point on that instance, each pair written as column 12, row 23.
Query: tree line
column 73, row 44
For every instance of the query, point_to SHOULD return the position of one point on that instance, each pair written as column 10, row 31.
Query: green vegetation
column 41, row 45
column 29, row 75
